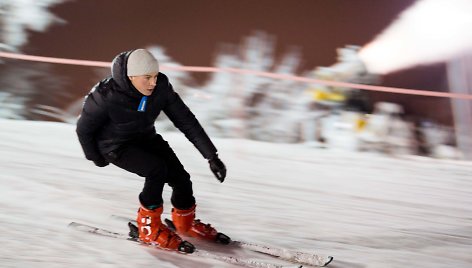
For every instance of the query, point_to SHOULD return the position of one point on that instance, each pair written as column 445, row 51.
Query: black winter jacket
column 110, row 116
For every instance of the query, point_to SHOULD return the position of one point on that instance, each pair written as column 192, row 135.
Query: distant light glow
column 428, row 32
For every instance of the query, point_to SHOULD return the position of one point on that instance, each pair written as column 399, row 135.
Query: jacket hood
column 119, row 74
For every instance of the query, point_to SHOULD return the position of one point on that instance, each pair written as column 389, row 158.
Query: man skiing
column 117, row 126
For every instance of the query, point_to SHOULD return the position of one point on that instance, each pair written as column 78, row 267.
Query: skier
column 117, row 126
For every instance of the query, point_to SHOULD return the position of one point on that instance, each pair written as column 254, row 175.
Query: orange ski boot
column 184, row 222
column 152, row 231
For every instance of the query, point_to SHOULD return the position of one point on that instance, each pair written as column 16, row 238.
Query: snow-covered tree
column 19, row 81
column 234, row 104
column 17, row 17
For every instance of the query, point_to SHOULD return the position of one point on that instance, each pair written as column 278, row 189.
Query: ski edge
column 288, row 255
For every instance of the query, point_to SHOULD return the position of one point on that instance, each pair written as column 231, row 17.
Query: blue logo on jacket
column 142, row 104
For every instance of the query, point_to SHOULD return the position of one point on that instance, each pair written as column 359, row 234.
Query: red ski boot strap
column 183, row 218
column 155, row 214
column 202, row 230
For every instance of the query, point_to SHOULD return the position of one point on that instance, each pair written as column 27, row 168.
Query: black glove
column 101, row 162
column 218, row 168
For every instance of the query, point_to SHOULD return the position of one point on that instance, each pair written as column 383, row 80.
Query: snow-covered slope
column 366, row 210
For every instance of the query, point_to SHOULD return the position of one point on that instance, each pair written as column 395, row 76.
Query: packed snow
column 365, row 209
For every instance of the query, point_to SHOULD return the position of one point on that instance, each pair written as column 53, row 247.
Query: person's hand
column 218, row 168
column 101, row 162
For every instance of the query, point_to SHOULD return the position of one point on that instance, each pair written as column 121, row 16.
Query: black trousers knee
column 153, row 159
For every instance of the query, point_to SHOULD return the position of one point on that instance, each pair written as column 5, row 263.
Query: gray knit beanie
column 141, row 62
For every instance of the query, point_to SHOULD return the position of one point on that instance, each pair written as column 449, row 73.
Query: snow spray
column 430, row 31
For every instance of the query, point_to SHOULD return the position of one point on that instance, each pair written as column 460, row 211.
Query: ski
column 198, row 252
column 297, row 257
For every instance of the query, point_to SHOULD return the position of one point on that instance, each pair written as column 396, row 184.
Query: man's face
column 144, row 83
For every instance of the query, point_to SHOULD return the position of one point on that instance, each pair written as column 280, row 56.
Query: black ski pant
column 153, row 159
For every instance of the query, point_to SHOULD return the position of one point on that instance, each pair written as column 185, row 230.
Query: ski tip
column 74, row 224
column 330, row 259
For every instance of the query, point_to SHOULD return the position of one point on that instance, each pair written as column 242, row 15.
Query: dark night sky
column 192, row 31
